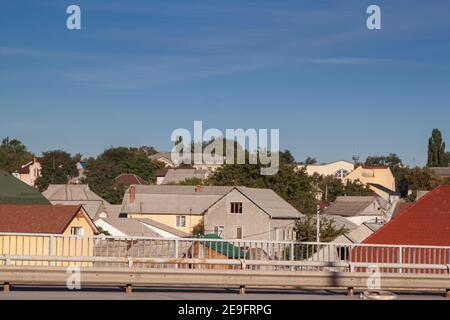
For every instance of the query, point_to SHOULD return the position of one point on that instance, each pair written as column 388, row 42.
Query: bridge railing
column 204, row 253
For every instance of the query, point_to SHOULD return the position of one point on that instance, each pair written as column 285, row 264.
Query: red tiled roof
column 127, row 179
column 426, row 222
column 36, row 218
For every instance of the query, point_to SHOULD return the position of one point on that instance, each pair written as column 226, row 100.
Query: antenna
column 355, row 158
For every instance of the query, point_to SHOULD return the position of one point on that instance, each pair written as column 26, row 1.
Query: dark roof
column 426, row 222
column 223, row 247
column 128, row 179
column 14, row 191
column 36, row 218
column 384, row 189
column 400, row 207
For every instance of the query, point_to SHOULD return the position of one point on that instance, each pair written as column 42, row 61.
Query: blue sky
column 140, row 69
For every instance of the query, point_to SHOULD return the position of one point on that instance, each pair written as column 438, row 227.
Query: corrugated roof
column 36, row 218
column 349, row 206
column 14, row 191
column 426, row 222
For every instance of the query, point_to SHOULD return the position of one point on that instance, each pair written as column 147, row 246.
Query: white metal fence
column 139, row 252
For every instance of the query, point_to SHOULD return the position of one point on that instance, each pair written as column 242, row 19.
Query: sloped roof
column 14, row 191
column 400, row 207
column 37, row 218
column 426, row 222
column 164, row 227
column 349, row 206
column 223, row 247
column 173, row 199
column 131, row 227
column 128, row 179
column 70, row 192
column 340, row 222
column 173, row 176
column 443, row 172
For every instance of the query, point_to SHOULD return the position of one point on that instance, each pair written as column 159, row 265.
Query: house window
column 181, row 222
column 239, row 233
column 236, row 207
column 219, row 230
column 77, row 231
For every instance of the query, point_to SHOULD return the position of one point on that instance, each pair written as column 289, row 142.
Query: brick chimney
column 132, row 194
column 198, row 188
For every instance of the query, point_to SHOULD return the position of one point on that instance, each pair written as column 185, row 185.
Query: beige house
column 338, row 169
column 231, row 212
column 36, row 224
column 379, row 179
column 29, row 172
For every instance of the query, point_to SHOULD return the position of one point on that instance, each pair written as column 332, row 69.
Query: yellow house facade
column 370, row 175
column 45, row 230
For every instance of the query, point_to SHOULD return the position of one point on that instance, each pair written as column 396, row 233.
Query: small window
column 181, row 222
column 219, row 230
column 77, row 231
column 239, row 233
column 236, row 207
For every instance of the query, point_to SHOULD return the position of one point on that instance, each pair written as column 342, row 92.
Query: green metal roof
column 225, row 248
column 14, row 191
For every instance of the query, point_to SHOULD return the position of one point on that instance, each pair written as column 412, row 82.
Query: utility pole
column 318, row 224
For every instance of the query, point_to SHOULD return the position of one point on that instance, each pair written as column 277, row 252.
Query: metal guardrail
column 104, row 251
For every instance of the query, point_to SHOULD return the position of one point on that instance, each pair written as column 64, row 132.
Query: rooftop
column 14, row 191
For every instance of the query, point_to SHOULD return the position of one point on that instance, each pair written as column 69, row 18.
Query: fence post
column 50, row 249
column 292, row 256
column 400, row 258
column 176, row 252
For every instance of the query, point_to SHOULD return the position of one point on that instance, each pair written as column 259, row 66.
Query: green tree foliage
column 437, row 156
column 333, row 187
column 420, row 179
column 307, row 226
column 101, row 171
column 191, row 182
column 57, row 168
column 13, row 154
column 392, row 161
column 309, row 160
column 199, row 228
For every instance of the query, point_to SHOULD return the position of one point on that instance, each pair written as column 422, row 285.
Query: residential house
column 378, row 178
column 80, row 194
column 127, row 179
column 358, row 210
column 338, row 169
column 425, row 222
column 29, row 172
column 231, row 212
column 166, row 159
column 175, row 176
column 33, row 220
column 14, row 191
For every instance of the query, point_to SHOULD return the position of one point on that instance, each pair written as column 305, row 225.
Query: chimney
column 132, row 194
column 198, row 188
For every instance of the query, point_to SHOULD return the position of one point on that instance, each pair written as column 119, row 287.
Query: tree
column 101, row 171
column 419, row 179
column 436, row 150
column 199, row 228
column 287, row 157
column 191, row 182
column 309, row 161
column 13, row 154
column 334, row 187
column 57, row 168
column 392, row 161
column 306, row 229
